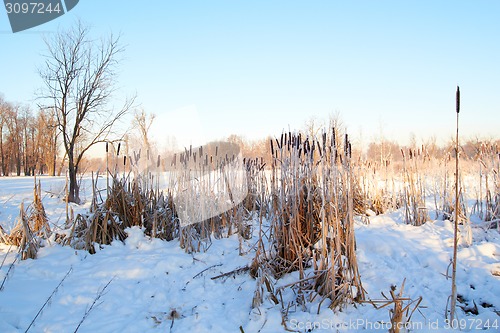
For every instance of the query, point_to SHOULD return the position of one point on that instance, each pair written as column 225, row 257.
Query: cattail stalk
column 107, row 170
column 455, row 233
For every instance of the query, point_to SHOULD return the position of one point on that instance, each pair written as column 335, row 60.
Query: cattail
column 455, row 233
column 272, row 148
column 124, row 160
column 106, row 147
column 346, row 144
column 118, row 150
column 158, row 162
column 324, row 142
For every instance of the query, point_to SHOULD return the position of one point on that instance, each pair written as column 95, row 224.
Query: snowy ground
column 148, row 285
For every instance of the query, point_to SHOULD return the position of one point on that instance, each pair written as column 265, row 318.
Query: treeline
column 470, row 150
column 28, row 141
column 29, row 145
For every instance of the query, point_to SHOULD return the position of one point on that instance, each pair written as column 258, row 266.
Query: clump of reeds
column 377, row 185
column 31, row 227
column 126, row 205
column 22, row 236
column 38, row 217
column 414, row 188
column 209, row 185
column 100, row 226
column 313, row 197
column 206, row 197
column 488, row 157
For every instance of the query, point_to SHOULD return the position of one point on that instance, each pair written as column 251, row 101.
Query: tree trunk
column 4, row 166
column 74, row 190
column 27, row 170
column 18, row 162
column 53, row 173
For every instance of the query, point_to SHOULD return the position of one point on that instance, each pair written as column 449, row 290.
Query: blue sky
column 257, row 67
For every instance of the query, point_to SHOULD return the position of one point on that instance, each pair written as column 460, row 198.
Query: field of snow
column 149, row 285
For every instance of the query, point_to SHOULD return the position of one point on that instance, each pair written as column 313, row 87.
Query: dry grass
column 402, row 310
column 414, row 193
column 31, row 228
column 23, row 237
column 313, row 198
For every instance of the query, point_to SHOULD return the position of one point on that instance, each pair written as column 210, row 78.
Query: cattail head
column 458, row 99
column 118, row 150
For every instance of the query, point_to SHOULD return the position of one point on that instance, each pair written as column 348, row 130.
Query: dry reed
column 313, row 196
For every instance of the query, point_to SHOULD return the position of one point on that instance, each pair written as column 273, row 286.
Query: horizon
column 389, row 69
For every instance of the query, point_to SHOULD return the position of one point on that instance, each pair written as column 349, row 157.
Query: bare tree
column 4, row 109
column 48, row 136
column 143, row 122
column 14, row 140
column 78, row 76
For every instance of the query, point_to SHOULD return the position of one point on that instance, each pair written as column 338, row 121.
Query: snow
column 149, row 285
